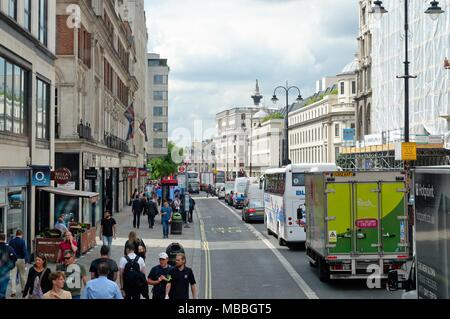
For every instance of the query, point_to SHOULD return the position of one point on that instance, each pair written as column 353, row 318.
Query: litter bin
column 176, row 227
column 172, row 250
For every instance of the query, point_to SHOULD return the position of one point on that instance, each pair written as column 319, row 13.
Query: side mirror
column 392, row 280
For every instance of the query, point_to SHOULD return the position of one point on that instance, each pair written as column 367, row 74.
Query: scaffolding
column 383, row 157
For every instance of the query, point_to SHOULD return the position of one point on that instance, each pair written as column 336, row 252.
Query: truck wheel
column 324, row 274
column 281, row 241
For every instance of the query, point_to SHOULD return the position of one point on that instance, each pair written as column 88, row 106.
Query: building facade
column 27, row 79
column 316, row 125
column 95, row 86
column 157, row 105
column 364, row 72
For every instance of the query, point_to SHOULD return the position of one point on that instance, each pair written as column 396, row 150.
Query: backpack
column 133, row 278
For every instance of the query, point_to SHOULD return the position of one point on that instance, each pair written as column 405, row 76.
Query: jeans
column 107, row 241
column 20, row 268
column 136, row 219
column 165, row 228
column 4, row 280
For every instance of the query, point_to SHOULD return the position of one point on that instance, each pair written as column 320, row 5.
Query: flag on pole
column 143, row 128
column 129, row 114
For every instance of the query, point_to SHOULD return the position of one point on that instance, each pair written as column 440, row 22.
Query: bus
column 193, row 182
column 284, row 201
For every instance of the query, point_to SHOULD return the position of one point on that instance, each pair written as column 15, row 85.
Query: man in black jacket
column 191, row 207
column 137, row 207
column 8, row 260
column 151, row 210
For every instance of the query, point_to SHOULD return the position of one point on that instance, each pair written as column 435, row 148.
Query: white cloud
column 216, row 49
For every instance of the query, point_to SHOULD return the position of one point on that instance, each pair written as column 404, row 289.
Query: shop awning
column 68, row 192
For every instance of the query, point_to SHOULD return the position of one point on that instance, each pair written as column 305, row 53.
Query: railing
column 116, row 143
column 84, row 130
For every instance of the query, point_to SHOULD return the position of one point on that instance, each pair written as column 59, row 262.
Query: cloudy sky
column 217, row 49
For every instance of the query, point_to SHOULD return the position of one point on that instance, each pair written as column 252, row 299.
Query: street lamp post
column 434, row 10
column 286, row 88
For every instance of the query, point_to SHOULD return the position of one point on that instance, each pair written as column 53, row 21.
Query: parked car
column 254, row 211
column 220, row 191
column 239, row 200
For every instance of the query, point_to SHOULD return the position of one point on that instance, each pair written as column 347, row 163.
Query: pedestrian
column 75, row 274
column 38, row 281
column 151, row 210
column 191, row 207
column 23, row 258
column 166, row 217
column 138, row 244
column 132, row 275
column 159, row 194
column 104, row 258
column 8, row 260
column 180, row 279
column 69, row 243
column 133, row 196
column 159, row 277
column 108, row 229
column 155, row 199
column 177, row 204
column 102, row 287
column 137, row 208
column 61, row 225
column 57, row 292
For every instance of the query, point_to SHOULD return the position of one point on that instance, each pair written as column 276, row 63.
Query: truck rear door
column 339, row 219
column 367, row 219
column 394, row 226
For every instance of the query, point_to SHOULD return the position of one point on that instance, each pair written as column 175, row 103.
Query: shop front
column 14, row 186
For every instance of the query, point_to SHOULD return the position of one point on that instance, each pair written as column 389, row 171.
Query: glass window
column 353, row 87
column 15, row 211
column 158, row 127
column 42, row 110
column 43, row 16
column 298, row 179
column 27, row 15
column 160, row 95
column 342, row 87
column 159, row 79
column 12, row 9
column 2, row 94
column 336, row 130
column 153, row 62
column 158, row 111
column 158, row 143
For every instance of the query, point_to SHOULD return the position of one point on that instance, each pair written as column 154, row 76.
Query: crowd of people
column 107, row 280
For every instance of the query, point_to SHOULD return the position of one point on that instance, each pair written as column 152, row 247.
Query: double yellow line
column 205, row 248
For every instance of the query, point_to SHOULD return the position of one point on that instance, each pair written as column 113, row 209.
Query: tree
column 167, row 165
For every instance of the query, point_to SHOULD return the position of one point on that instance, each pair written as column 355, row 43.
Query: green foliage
column 319, row 97
column 167, row 165
column 273, row 116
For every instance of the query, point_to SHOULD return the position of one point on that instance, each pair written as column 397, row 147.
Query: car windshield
column 256, row 204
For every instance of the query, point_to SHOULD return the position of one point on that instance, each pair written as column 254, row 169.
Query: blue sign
column 41, row 176
column 300, row 193
column 349, row 134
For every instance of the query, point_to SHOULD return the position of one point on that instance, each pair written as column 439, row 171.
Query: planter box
column 49, row 247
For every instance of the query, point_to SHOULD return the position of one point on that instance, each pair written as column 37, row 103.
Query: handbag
column 37, row 286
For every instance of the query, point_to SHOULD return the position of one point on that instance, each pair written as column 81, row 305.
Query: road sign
column 181, row 169
column 409, row 151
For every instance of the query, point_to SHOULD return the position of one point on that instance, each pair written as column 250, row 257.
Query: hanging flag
column 129, row 114
column 143, row 128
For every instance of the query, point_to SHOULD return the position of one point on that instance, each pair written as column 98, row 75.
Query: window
column 336, row 130
column 342, row 87
column 158, row 143
column 160, row 95
column 298, row 179
column 158, row 127
column 158, row 111
column 43, row 16
column 275, row 183
column 13, row 97
column 153, row 62
column 353, row 87
column 157, row 62
column 12, row 9
column 352, row 125
column 243, row 117
column 42, row 110
column 159, row 79
column 27, row 15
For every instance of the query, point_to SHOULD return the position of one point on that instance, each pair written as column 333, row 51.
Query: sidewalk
column 189, row 239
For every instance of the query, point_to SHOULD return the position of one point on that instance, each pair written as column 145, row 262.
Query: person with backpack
column 38, row 281
column 132, row 275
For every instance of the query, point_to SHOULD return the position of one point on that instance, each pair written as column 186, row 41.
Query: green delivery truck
column 356, row 223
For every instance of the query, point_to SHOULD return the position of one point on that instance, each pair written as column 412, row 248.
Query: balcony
column 84, row 131
column 116, row 143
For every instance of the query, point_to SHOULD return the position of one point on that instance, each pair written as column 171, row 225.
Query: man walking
column 159, row 277
column 104, row 258
column 181, row 278
column 20, row 248
column 75, row 274
column 8, row 260
column 151, row 210
column 137, row 208
column 191, row 207
column 102, row 287
column 108, row 229
column 132, row 275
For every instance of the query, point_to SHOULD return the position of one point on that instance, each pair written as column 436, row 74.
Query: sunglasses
column 67, row 258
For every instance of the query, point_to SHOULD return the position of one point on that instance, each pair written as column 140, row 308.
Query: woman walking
column 38, row 282
column 166, row 213
column 139, row 246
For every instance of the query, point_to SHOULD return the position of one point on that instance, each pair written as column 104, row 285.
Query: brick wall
column 64, row 36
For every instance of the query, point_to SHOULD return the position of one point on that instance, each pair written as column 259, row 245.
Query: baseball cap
column 163, row 256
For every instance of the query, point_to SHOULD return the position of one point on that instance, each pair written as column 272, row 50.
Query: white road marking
column 187, row 243
column 310, row 294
